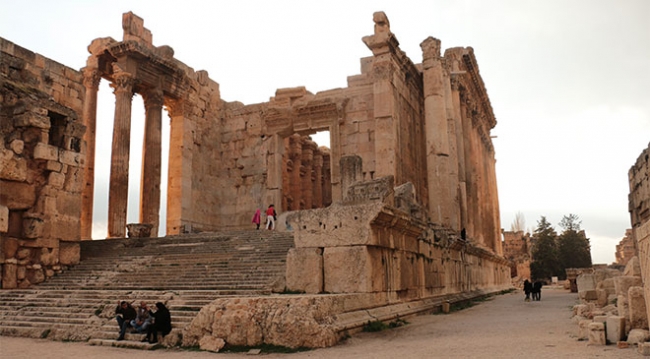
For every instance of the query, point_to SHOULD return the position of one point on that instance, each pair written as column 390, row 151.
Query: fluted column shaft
column 91, row 83
column 307, row 161
column 119, row 178
column 317, row 201
column 151, row 160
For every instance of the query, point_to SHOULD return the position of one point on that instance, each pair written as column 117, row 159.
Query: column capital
column 153, row 98
column 123, row 82
column 91, row 79
column 430, row 49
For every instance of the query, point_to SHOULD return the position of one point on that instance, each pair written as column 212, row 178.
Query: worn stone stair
column 186, row 272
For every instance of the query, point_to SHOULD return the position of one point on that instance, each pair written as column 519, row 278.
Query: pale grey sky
column 568, row 79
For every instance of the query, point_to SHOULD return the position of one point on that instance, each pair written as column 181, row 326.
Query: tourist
column 257, row 218
column 125, row 313
column 162, row 322
column 142, row 319
column 528, row 287
column 537, row 290
column 271, row 215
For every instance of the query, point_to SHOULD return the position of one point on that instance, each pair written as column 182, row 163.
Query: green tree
column 545, row 263
column 574, row 250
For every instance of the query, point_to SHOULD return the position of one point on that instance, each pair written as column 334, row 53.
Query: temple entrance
column 105, row 109
column 306, row 172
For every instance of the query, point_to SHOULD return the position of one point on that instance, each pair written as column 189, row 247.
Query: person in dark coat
column 537, row 290
column 162, row 323
column 124, row 314
column 528, row 287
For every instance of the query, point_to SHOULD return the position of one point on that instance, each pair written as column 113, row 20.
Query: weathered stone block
column 17, row 146
column 353, row 270
column 623, row 283
column 69, row 253
column 583, row 329
column 633, row 268
column 13, row 168
column 615, row 329
column 305, row 270
column 32, row 227
column 597, row 334
column 56, row 180
column 54, row 166
column 35, row 275
column 637, row 308
column 9, row 247
column 139, row 230
column 636, row 336
column 23, row 253
column 31, row 119
column 71, row 158
column 585, row 282
column 4, row 219
column 212, row 344
column 601, row 297
column 9, row 280
column 644, row 349
column 588, row 294
column 46, row 152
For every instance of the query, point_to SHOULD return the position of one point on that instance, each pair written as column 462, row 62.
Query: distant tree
column 519, row 223
column 573, row 245
column 545, row 263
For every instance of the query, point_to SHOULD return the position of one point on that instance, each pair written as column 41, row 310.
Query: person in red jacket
column 270, row 217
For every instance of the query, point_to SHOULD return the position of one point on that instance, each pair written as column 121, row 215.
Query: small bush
column 375, row 326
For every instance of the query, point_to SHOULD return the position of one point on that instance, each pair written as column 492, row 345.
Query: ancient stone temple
column 517, row 248
column 626, row 248
column 401, row 210
column 42, row 156
column 639, row 205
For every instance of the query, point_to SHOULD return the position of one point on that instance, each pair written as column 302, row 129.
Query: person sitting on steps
column 124, row 314
column 162, row 322
column 142, row 319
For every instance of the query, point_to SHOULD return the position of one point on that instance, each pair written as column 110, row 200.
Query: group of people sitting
column 533, row 289
column 143, row 320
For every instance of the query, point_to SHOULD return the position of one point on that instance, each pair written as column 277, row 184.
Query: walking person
column 257, row 218
column 528, row 287
column 271, row 215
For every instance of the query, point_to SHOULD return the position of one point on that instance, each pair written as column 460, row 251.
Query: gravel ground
column 503, row 327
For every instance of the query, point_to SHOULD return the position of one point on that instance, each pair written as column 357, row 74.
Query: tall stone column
column 179, row 177
column 460, row 148
column 470, row 183
column 317, row 198
column 91, row 80
column 436, row 134
column 119, row 179
column 327, row 179
column 308, row 148
column 151, row 160
column 295, row 154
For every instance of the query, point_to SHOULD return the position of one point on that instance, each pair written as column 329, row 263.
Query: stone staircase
column 185, row 272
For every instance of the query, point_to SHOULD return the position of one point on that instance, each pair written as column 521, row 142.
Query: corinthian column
column 436, row 134
column 91, row 83
column 119, row 185
column 151, row 160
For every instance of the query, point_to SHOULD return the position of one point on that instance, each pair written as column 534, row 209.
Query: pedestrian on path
column 257, row 218
column 271, row 216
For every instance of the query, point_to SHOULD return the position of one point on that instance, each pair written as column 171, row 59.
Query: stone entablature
column 42, row 156
column 639, row 206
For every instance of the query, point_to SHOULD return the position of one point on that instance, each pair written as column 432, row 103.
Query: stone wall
column 639, row 205
column 516, row 249
column 42, row 155
column 626, row 248
column 367, row 245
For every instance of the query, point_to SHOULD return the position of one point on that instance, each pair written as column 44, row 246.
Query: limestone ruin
column 402, row 208
column 616, row 305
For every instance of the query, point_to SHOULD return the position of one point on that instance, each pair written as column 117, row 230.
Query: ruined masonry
column 401, row 212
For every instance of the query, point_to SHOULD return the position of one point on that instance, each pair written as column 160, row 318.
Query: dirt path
column 504, row 327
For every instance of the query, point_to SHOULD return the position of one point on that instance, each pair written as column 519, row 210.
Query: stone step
column 131, row 344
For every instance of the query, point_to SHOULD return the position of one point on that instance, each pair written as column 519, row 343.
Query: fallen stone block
column 636, row 308
column 615, row 329
column 636, row 336
column 622, row 345
column 597, row 334
column 583, row 329
column 644, row 349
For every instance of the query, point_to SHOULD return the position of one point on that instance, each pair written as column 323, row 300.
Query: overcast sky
column 569, row 81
